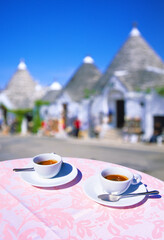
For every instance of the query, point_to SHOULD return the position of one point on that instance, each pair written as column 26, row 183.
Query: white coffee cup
column 47, row 171
column 118, row 187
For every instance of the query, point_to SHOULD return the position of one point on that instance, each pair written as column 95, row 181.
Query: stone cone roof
column 52, row 92
column 50, row 96
column 85, row 77
column 21, row 88
column 136, row 64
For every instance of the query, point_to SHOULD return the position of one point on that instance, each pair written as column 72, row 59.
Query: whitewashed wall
column 135, row 107
column 154, row 107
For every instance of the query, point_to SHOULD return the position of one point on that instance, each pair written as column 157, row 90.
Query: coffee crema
column 116, row 177
column 47, row 162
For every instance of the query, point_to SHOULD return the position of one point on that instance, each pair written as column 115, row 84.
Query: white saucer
column 67, row 173
column 92, row 189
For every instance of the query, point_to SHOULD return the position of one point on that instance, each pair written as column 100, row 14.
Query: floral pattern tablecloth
column 65, row 212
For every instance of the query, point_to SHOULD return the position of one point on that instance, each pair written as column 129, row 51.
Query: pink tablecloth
column 65, row 212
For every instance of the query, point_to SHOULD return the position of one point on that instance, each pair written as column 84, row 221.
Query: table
column 65, row 212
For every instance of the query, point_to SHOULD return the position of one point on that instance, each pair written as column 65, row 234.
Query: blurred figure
column 77, row 125
column 110, row 116
column 13, row 127
column 1, row 119
column 1, row 123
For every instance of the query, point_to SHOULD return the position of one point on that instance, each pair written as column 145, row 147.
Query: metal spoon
column 115, row 198
column 23, row 169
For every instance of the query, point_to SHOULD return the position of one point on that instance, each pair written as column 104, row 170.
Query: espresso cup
column 47, row 165
column 118, row 187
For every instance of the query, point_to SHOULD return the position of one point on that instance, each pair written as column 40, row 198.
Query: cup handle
column 136, row 179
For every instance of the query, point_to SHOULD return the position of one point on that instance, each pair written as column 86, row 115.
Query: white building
column 121, row 91
column 73, row 100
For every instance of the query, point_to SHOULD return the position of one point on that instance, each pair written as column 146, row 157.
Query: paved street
column 146, row 158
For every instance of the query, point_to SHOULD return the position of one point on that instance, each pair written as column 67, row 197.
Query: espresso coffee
column 47, row 162
column 116, row 177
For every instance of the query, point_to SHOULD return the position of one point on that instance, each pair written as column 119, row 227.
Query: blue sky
column 53, row 36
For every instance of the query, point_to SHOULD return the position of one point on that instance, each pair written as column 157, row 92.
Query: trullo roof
column 52, row 92
column 22, row 89
column 136, row 64
column 85, row 77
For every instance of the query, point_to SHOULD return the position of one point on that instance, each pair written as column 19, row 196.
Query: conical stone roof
column 52, row 92
column 85, row 77
column 136, row 64
column 50, row 96
column 21, row 89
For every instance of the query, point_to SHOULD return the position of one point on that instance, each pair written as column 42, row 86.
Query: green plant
column 160, row 90
column 88, row 92
column 137, row 89
column 148, row 90
column 36, row 115
column 19, row 115
column 40, row 103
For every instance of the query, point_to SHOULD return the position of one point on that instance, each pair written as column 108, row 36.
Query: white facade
column 74, row 110
column 137, row 105
column 154, row 107
column 93, row 112
column 106, row 102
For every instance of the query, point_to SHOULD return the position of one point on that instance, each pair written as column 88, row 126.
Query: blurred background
column 85, row 70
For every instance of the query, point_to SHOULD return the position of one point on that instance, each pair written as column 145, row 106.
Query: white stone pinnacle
column 22, row 65
column 88, row 59
column 135, row 32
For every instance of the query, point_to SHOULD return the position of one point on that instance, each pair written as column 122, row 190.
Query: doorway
column 120, row 112
column 159, row 122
